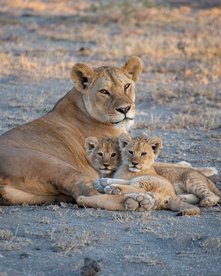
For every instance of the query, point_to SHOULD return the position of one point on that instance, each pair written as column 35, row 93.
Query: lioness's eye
column 104, row 92
column 143, row 153
column 126, row 86
column 130, row 152
column 100, row 153
column 113, row 154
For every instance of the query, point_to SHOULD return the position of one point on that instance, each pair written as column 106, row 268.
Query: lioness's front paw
column 113, row 190
column 100, row 184
column 140, row 202
column 209, row 201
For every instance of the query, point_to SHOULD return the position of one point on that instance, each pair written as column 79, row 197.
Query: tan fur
column 45, row 159
column 103, row 155
column 138, row 173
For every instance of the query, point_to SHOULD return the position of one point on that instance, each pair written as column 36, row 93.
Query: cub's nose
column 124, row 109
column 135, row 163
column 106, row 164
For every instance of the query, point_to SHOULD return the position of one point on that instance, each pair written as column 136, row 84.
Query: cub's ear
column 133, row 67
column 90, row 143
column 123, row 140
column 82, row 76
column 156, row 144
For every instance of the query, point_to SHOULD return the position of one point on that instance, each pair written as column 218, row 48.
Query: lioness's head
column 108, row 93
column 140, row 152
column 103, row 154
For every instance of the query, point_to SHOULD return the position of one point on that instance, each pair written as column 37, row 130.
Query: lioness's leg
column 197, row 184
column 131, row 202
column 12, row 195
column 39, row 175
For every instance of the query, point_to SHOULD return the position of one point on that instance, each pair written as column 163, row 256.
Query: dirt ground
column 178, row 98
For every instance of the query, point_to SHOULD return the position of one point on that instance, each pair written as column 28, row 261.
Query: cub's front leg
column 102, row 183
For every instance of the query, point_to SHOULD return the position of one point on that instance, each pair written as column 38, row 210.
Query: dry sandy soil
column 178, row 97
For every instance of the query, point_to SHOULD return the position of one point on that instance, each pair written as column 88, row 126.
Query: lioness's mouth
column 125, row 119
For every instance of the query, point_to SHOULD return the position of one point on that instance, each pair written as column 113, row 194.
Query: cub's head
column 108, row 93
column 140, row 152
column 103, row 154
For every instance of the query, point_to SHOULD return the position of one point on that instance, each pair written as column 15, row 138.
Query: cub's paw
column 140, row 202
column 112, row 189
column 209, row 201
column 185, row 164
column 209, row 171
column 81, row 200
column 100, row 184
column 189, row 212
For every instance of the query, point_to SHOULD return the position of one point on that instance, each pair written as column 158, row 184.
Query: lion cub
column 138, row 173
column 103, row 155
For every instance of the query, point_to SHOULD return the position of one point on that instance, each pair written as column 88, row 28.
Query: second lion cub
column 138, row 173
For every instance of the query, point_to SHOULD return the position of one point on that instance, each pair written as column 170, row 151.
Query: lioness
column 137, row 173
column 44, row 160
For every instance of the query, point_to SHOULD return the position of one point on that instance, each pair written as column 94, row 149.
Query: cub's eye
column 126, row 86
column 130, row 152
column 113, row 154
column 104, row 92
column 143, row 153
column 100, row 153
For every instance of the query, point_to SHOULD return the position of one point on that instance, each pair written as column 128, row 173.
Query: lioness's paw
column 209, row 201
column 140, row 202
column 113, row 190
column 100, row 184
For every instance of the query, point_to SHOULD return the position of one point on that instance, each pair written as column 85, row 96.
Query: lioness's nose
column 123, row 109
column 135, row 163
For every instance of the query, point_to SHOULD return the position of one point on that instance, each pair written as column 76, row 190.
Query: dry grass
column 6, row 235
column 211, row 243
column 72, row 240
column 10, row 241
column 28, row 67
column 122, row 217
column 47, row 7
column 144, row 259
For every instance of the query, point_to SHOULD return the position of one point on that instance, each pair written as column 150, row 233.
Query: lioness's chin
column 134, row 169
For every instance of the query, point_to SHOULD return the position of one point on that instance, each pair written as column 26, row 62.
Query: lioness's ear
column 123, row 140
column 133, row 67
column 82, row 75
column 90, row 143
column 156, row 144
